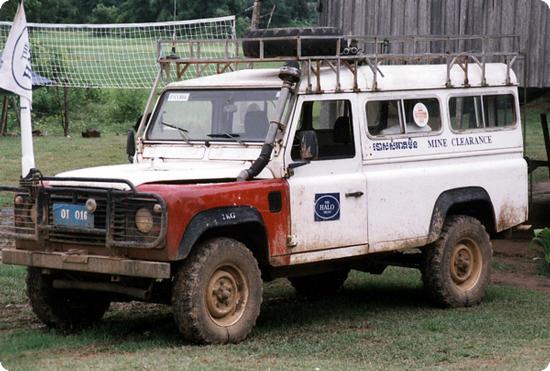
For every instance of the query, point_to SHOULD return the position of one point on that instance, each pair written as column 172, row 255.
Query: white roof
column 390, row 78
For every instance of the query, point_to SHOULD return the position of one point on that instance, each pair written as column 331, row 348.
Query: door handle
column 355, row 194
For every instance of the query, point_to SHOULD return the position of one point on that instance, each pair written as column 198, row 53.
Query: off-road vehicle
column 352, row 159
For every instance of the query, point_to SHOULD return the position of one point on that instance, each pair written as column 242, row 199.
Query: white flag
column 15, row 65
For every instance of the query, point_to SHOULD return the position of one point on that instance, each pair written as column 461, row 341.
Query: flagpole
column 27, row 150
column 16, row 77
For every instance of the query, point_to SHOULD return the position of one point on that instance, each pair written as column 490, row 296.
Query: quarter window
column 403, row 116
column 481, row 112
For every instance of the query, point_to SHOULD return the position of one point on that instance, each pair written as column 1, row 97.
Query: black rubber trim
column 215, row 218
column 275, row 200
column 454, row 197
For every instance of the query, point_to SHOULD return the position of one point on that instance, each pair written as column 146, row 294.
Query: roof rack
column 195, row 58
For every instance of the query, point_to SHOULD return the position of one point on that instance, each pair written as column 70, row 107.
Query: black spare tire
column 287, row 45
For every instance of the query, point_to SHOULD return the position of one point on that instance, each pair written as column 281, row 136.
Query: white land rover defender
column 339, row 160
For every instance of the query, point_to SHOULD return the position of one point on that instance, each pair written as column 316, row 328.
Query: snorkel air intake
column 290, row 74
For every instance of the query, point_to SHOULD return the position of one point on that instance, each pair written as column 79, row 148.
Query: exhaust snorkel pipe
column 290, row 74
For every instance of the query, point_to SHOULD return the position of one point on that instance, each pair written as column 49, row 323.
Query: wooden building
column 528, row 19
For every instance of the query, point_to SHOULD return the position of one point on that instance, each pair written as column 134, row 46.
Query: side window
column 404, row 116
column 465, row 113
column 479, row 112
column 332, row 122
column 383, row 117
column 499, row 110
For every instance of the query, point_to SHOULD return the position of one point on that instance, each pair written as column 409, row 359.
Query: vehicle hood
column 157, row 172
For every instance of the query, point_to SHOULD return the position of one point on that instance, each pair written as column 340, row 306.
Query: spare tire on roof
column 286, row 46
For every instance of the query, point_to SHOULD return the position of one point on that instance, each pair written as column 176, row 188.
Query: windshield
column 213, row 115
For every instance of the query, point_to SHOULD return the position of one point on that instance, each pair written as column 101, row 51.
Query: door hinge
column 291, row 241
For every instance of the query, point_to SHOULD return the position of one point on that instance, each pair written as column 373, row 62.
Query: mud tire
column 320, row 285
column 66, row 310
column 214, row 266
column 287, row 48
column 457, row 267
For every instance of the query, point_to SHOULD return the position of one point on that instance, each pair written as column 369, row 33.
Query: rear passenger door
column 328, row 195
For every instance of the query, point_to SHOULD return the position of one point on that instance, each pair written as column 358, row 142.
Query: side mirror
column 309, row 147
column 309, row 150
column 131, row 145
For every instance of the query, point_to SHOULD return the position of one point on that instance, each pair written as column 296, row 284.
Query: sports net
column 111, row 55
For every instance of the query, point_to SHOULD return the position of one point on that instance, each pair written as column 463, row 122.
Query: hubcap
column 466, row 264
column 226, row 295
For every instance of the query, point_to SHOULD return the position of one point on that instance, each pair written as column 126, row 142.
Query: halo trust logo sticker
column 327, row 206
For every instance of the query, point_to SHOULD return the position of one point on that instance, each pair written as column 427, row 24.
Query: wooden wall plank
column 528, row 18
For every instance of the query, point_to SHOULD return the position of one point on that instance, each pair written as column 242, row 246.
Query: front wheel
column 217, row 293
column 63, row 309
column 457, row 267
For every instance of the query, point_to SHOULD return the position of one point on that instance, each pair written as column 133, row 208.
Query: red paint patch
column 184, row 201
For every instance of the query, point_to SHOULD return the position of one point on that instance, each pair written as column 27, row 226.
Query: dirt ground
column 518, row 263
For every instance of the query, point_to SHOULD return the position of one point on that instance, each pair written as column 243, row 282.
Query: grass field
column 376, row 322
column 54, row 154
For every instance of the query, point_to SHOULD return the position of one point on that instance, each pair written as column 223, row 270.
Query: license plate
column 71, row 215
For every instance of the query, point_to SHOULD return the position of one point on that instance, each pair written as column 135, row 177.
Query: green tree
column 287, row 12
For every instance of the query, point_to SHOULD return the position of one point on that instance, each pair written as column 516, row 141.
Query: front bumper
column 87, row 263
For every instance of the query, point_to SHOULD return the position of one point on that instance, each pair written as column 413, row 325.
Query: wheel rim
column 226, row 295
column 466, row 264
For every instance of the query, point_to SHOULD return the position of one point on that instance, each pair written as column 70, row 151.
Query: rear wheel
column 63, row 309
column 457, row 267
column 217, row 293
column 319, row 285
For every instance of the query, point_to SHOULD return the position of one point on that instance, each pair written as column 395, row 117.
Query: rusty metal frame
column 87, row 263
column 313, row 64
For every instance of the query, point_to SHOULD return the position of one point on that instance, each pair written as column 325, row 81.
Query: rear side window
column 482, row 112
column 403, row 116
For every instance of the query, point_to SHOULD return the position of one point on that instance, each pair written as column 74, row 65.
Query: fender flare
column 214, row 218
column 452, row 197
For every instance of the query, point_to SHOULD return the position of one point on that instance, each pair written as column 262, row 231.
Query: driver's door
column 327, row 195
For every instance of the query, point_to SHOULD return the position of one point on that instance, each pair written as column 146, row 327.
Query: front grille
column 114, row 222
column 18, row 214
column 95, row 236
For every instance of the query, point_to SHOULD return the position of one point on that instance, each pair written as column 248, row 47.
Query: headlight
column 25, row 212
column 144, row 220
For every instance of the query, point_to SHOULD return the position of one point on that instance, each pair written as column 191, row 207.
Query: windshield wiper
column 227, row 135
column 183, row 132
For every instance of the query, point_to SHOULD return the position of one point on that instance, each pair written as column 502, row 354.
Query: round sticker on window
column 421, row 115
